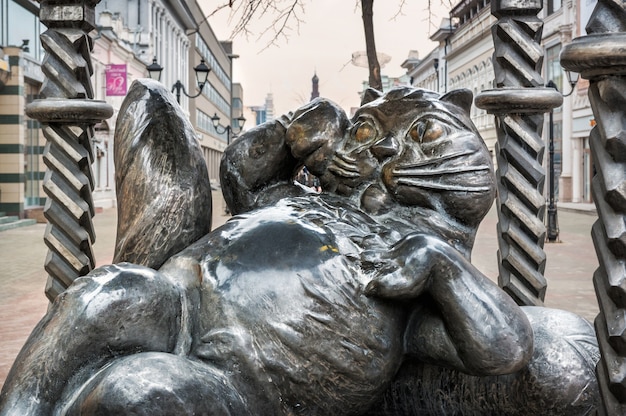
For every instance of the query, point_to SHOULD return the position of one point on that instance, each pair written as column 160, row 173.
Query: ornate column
column 600, row 57
column 519, row 103
column 68, row 113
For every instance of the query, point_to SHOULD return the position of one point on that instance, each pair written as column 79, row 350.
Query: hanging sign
column 115, row 76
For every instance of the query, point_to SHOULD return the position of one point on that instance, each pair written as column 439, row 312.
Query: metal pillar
column 68, row 113
column 600, row 57
column 519, row 103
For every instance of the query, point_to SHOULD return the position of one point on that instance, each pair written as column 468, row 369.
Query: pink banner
column 116, row 79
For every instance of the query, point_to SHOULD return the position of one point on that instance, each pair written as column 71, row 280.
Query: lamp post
column 228, row 129
column 202, row 74
column 553, row 222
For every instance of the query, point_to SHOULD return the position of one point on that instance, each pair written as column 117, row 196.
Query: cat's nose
column 384, row 148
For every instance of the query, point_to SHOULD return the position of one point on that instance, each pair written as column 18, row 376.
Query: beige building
column 128, row 36
column 176, row 35
column 111, row 50
column 463, row 59
column 21, row 142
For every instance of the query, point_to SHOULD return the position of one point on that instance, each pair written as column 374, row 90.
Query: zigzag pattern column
column 519, row 103
column 68, row 113
column 600, row 57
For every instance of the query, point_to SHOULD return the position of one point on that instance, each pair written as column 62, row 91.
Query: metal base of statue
column 357, row 300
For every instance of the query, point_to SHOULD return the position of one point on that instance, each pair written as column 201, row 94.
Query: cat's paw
column 397, row 285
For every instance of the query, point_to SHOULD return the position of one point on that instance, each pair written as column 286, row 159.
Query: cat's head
column 408, row 149
column 419, row 150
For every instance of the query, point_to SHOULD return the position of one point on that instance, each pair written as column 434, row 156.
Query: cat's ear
column 370, row 94
column 462, row 98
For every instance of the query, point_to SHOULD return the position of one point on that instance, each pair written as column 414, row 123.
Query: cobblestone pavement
column 571, row 264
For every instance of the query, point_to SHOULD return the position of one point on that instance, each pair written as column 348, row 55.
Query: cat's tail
column 162, row 182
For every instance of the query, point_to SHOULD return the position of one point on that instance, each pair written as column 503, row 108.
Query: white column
column 110, row 166
column 161, row 41
column 567, row 143
column 150, row 28
column 576, row 169
column 566, row 140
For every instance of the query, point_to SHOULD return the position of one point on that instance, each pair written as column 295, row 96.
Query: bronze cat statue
column 345, row 302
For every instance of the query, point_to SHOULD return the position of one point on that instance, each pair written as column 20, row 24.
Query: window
column 211, row 61
column 204, row 122
column 17, row 24
column 216, row 98
column 553, row 66
column 554, row 6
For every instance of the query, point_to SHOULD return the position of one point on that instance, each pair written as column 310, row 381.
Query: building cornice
column 184, row 14
column 467, row 45
column 445, row 30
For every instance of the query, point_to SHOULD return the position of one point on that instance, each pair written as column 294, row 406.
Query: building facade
column 463, row 59
column 21, row 141
column 175, row 34
column 265, row 112
column 217, row 95
column 128, row 36
column 116, row 65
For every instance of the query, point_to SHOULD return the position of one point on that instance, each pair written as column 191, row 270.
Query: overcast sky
column 323, row 43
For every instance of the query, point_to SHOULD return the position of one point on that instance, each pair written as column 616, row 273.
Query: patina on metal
column 68, row 114
column 600, row 57
column 162, row 154
column 519, row 103
column 329, row 303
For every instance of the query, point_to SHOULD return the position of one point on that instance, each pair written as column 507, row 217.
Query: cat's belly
column 282, row 306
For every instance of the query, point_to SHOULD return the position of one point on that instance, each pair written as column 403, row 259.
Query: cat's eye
column 364, row 132
column 426, row 131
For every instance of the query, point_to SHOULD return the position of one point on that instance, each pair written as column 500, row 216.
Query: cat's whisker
column 348, row 167
column 344, row 166
column 442, row 186
column 345, row 158
column 430, row 162
column 352, row 172
column 410, row 171
column 345, row 163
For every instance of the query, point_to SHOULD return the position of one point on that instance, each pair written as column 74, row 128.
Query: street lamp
column 228, row 129
column 154, row 70
column 202, row 74
column 553, row 222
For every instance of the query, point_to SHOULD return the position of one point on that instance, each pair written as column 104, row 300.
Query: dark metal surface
column 308, row 303
column 156, row 147
column 518, row 104
column 600, row 57
column 68, row 114
column 559, row 380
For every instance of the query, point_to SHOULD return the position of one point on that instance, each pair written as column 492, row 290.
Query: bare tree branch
column 300, row 97
column 280, row 24
column 400, row 6
column 283, row 15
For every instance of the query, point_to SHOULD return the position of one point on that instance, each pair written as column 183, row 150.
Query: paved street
column 571, row 264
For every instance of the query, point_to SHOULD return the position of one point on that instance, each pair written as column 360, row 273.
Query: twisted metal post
column 519, row 103
column 68, row 113
column 600, row 57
